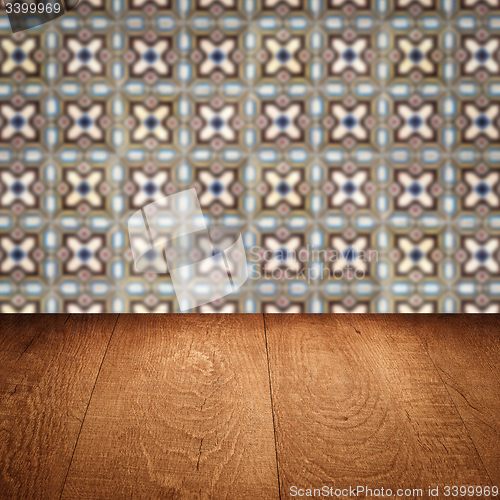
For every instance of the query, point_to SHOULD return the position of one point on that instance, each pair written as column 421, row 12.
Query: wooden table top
column 247, row 406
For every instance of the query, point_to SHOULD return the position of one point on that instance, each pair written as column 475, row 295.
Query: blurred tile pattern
column 308, row 124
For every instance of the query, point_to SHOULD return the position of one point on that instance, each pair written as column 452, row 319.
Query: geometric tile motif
column 322, row 130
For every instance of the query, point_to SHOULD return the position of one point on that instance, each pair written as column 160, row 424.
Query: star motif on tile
column 426, row 4
column 482, row 255
column 415, row 122
column 349, row 56
column 471, row 308
column 482, row 189
column 162, row 307
column 85, row 122
column 416, row 255
column 97, row 4
column 18, row 122
column 472, row 3
column 274, row 308
column 349, row 122
column 415, row 190
column 481, row 55
column 151, row 123
column 362, row 4
column 26, row 308
column 482, row 122
column 217, row 123
column 283, row 188
column 206, row 4
column 217, row 188
column 18, row 188
column 336, row 308
column 83, row 188
column 416, row 56
column 282, row 121
column 84, row 56
column 17, row 254
column 149, row 187
column 349, row 188
column 282, row 254
column 293, row 4
column 151, row 57
column 405, row 307
column 283, row 56
column 349, row 254
column 138, row 4
column 217, row 57
column 18, row 56
column 84, row 254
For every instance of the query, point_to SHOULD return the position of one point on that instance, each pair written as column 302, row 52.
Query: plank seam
column 29, row 345
column 272, row 407
column 458, row 412
column 87, row 409
column 33, row 338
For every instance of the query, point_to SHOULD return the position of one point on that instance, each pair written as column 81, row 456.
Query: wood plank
column 44, row 394
column 181, row 410
column 466, row 352
column 358, row 402
column 17, row 331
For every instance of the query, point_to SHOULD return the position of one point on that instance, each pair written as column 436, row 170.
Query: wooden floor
column 246, row 406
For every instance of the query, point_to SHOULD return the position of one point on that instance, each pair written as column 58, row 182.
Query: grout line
column 455, row 406
column 87, row 409
column 272, row 406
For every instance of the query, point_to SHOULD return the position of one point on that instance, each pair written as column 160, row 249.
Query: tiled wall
column 343, row 126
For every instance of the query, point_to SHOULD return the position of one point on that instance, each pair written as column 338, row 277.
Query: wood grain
column 181, row 410
column 181, row 407
column 358, row 401
column 17, row 331
column 466, row 352
column 49, row 367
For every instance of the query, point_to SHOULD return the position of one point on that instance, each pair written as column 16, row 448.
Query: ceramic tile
column 323, row 131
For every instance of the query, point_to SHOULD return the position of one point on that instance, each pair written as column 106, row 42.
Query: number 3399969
column 33, row 8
